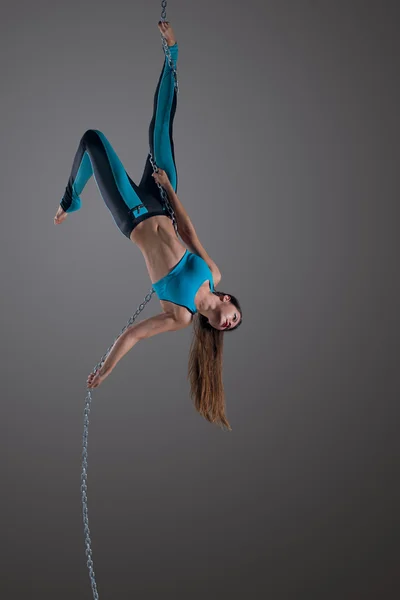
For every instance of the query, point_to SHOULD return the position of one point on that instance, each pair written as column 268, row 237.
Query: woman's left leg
column 127, row 204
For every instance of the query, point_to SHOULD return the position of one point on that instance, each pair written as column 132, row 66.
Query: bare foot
column 61, row 215
column 167, row 32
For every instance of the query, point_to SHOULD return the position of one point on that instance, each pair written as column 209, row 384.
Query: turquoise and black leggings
column 129, row 203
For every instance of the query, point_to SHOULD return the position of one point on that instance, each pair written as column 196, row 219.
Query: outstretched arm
column 136, row 332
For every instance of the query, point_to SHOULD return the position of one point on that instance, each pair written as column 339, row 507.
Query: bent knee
column 91, row 134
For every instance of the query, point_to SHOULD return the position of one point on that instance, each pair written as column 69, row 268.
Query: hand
column 161, row 177
column 95, row 379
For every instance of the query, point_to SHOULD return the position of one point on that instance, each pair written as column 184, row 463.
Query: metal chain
column 164, row 196
column 88, row 399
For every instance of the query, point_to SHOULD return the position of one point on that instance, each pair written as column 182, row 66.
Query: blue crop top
column 181, row 284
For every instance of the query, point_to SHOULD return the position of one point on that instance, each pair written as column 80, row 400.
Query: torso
column 162, row 250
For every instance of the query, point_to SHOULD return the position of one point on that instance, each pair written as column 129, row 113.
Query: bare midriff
column 159, row 244
column 162, row 250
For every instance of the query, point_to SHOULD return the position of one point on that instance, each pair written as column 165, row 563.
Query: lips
column 225, row 324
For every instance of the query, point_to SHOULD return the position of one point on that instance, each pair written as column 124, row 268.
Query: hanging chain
column 85, row 453
column 88, row 399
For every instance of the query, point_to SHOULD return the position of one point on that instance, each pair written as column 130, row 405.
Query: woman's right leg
column 160, row 129
column 95, row 156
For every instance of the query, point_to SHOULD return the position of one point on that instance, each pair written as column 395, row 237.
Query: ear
column 226, row 298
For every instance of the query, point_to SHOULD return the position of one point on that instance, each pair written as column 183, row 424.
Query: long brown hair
column 205, row 367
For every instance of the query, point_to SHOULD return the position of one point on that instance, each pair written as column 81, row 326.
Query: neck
column 206, row 302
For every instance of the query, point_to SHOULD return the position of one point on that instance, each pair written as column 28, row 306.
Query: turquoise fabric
column 181, row 284
column 128, row 203
column 162, row 134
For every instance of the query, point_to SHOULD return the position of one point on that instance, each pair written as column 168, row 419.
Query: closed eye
column 233, row 320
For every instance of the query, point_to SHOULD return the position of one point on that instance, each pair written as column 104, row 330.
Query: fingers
column 90, row 380
column 163, row 27
column 159, row 174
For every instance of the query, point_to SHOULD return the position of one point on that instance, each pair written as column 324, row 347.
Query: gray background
column 286, row 137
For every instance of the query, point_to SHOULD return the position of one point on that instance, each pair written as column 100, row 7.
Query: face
column 226, row 316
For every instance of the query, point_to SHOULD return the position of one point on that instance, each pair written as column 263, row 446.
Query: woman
column 183, row 275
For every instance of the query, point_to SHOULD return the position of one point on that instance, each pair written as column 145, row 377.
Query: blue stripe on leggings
column 121, row 179
column 83, row 175
column 161, row 139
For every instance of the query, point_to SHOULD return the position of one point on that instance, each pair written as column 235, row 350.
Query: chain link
column 88, row 399
column 164, row 196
